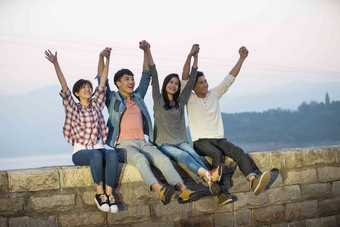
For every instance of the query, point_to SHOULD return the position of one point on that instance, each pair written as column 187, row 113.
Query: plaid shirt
column 85, row 125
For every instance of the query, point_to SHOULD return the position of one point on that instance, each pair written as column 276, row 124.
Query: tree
column 327, row 101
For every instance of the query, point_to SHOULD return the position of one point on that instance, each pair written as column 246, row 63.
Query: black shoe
column 102, row 202
column 225, row 198
column 112, row 204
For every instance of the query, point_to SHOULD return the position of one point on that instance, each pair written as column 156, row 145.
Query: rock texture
column 306, row 193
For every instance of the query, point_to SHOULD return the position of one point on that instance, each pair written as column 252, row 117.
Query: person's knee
column 140, row 161
column 111, row 156
column 97, row 156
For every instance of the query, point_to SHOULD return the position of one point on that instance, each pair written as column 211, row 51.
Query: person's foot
column 214, row 188
column 225, row 198
column 112, row 204
column 215, row 174
column 258, row 184
column 187, row 196
column 102, row 202
column 166, row 193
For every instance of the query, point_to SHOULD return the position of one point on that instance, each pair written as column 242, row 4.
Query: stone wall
column 306, row 193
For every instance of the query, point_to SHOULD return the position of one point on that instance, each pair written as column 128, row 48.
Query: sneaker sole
column 102, row 208
column 264, row 180
column 214, row 189
column 227, row 201
column 191, row 199
column 167, row 195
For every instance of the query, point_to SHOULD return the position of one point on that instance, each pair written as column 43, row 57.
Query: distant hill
column 313, row 123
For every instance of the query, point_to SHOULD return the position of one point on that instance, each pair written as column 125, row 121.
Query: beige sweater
column 204, row 114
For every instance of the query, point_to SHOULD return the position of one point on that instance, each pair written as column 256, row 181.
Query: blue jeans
column 141, row 154
column 102, row 162
column 184, row 154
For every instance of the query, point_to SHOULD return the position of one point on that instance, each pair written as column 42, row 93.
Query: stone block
column 88, row 197
column 336, row 189
column 242, row 217
column 128, row 173
column 153, row 223
column 83, row 218
column 322, row 222
column 315, row 191
column 268, row 160
column 172, row 211
column 246, row 200
column 293, row 159
column 3, row 222
column 290, row 224
column 319, row 156
column 284, row 194
column 33, row 180
column 210, row 205
column 268, row 215
column 34, row 221
column 195, row 221
column 300, row 176
column 130, row 214
column 11, row 205
column 3, row 181
column 301, row 210
column 223, row 219
column 329, row 206
column 136, row 193
column 52, row 202
column 328, row 173
column 75, row 176
column 337, row 153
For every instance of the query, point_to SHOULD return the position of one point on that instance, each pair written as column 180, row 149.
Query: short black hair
column 120, row 74
column 78, row 85
column 199, row 73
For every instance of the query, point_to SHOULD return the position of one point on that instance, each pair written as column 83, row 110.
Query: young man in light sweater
column 207, row 132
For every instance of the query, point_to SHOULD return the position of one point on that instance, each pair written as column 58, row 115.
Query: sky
column 288, row 40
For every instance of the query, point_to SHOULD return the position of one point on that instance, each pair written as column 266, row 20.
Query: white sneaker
column 102, row 202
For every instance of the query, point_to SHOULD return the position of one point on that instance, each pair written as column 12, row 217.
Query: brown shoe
column 258, row 184
column 166, row 193
column 224, row 198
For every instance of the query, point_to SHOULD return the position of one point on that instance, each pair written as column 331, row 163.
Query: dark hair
column 199, row 73
column 78, row 85
column 120, row 74
column 167, row 79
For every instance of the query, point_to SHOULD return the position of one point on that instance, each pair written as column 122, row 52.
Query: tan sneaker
column 258, row 184
column 187, row 196
column 166, row 193
column 215, row 174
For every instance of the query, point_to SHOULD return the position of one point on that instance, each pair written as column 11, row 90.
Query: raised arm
column 54, row 60
column 105, row 72
column 186, row 91
column 243, row 55
column 186, row 67
column 104, row 53
column 145, row 80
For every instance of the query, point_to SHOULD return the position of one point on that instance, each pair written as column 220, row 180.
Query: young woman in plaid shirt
column 86, row 131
